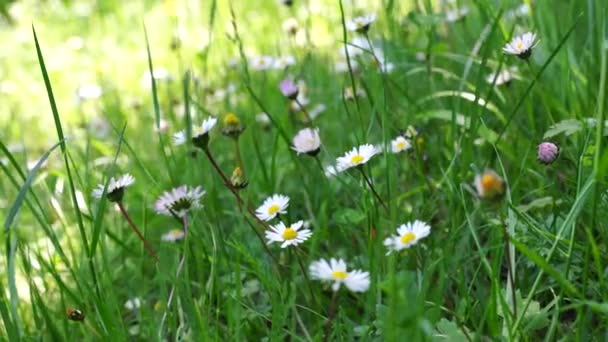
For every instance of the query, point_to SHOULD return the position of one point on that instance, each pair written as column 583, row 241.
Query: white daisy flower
column 400, row 144
column 179, row 201
column 357, row 156
column 349, row 94
column 133, row 304
column 199, row 133
column 335, row 271
column 307, row 141
column 261, row 63
column 283, row 62
column 173, row 235
column 361, row 24
column 116, row 188
column 521, row 46
column 407, row 235
column 289, row 236
column 272, row 206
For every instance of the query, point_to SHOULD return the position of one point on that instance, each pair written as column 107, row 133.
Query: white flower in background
column 263, row 118
column 288, row 235
column 116, row 188
column 503, row 77
column 361, row 24
column 198, row 132
column 89, row 92
column 357, row 156
column 407, row 235
column 521, row 46
column 456, row 14
column 356, row 47
column 273, row 206
column 99, row 127
column 179, row 201
column 316, row 111
column 521, row 11
column 381, row 63
column 335, row 271
column 283, row 62
column 307, row 141
column 342, row 66
column 163, row 126
column 400, row 144
column 173, row 235
column 160, row 74
column 133, row 304
column 349, row 94
column 331, row 171
column 261, row 63
column 291, row 26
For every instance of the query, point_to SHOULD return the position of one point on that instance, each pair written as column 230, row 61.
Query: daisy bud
column 289, row 89
column 200, row 134
column 232, row 125
column 547, row 152
column 489, row 184
column 238, row 179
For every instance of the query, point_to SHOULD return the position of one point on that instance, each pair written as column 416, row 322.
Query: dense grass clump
column 304, row 170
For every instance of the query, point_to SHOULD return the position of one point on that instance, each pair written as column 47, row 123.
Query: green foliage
column 526, row 264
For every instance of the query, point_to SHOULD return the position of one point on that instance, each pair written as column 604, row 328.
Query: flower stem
column 303, row 269
column 137, row 231
column 240, row 201
column 371, row 186
column 330, row 315
column 303, row 109
column 180, row 266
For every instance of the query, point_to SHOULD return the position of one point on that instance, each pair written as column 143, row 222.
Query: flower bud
column 547, row 152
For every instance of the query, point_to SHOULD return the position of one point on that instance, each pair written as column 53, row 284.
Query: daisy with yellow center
column 521, row 46
column 357, row 156
column 361, row 24
column 288, row 235
column 335, row 271
column 407, row 235
column 272, row 206
column 400, row 144
column 173, row 235
column 489, row 184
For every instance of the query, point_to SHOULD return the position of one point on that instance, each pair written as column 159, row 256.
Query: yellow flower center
column 359, row 24
column 519, row 45
column 289, row 234
column 408, row 237
column 273, row 209
column 175, row 233
column 356, row 159
column 231, row 120
column 340, row 275
column 401, row 144
column 489, row 182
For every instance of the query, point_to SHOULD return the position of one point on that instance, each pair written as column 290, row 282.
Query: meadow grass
column 517, row 241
